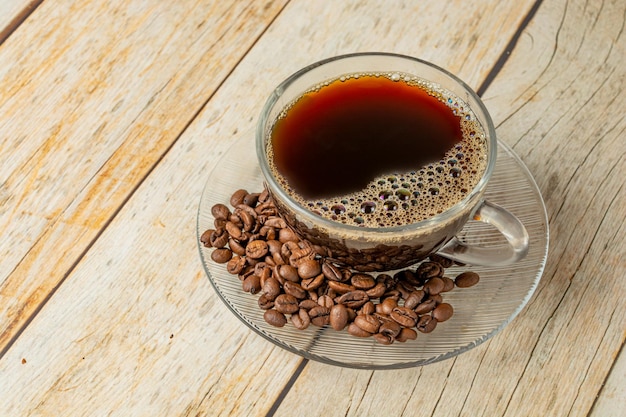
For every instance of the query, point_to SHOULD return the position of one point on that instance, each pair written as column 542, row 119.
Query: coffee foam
column 401, row 198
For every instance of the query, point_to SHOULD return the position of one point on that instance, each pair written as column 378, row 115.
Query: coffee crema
column 377, row 149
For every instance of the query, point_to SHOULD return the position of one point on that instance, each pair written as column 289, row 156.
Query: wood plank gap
column 106, row 224
column 507, row 51
column 18, row 20
column 606, row 377
column 283, row 393
column 604, row 381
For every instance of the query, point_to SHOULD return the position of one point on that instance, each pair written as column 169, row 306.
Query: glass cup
column 370, row 249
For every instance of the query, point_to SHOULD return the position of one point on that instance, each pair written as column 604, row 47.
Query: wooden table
column 113, row 113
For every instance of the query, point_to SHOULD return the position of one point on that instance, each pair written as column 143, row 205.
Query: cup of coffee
column 381, row 159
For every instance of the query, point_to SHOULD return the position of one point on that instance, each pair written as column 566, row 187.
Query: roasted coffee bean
column 288, row 272
column 220, row 211
column 363, row 281
column 320, row 315
column 441, row 260
column 237, row 197
column 368, row 308
column 266, row 209
column 275, row 222
column 264, row 195
column 271, row 288
column 278, row 259
column 442, row 312
column 387, row 306
column 221, row 255
column 370, row 267
column 403, row 290
column 425, row 306
column 251, row 199
column 249, row 222
column 313, row 283
column 286, row 304
column 467, row 279
column 251, row 284
column 404, row 316
column 426, row 323
column 351, row 314
column 294, row 289
column 326, row 301
column 262, row 270
column 247, row 270
column 437, row 297
column 338, row 316
column 434, row 285
column 332, row 272
column 367, row 322
column 265, row 302
column 236, row 264
column 428, row 270
column 321, row 251
column 301, row 319
column 233, row 230
column 414, row 299
column 268, row 233
column 269, row 261
column 219, row 238
column 395, row 294
column 302, row 255
column 353, row 299
column 236, row 247
column 383, row 338
column 389, row 281
column 256, row 249
column 355, row 330
column 448, row 284
column 408, row 276
column 340, row 287
column 219, row 223
column 235, row 219
column 406, row 334
column 287, row 249
column 378, row 290
column 287, row 235
column 308, row 304
column 274, row 246
column 205, row 239
column 390, row 328
column 275, row 318
column 309, row 268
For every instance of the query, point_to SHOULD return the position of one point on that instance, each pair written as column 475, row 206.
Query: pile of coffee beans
column 296, row 281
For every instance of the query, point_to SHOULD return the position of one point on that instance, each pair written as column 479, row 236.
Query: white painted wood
column 136, row 329
column 12, row 12
column 91, row 96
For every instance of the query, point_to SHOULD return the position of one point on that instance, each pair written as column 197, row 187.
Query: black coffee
column 377, row 150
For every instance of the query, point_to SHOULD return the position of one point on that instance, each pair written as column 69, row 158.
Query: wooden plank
column 135, row 327
column 563, row 114
column 13, row 13
column 92, row 95
column 612, row 398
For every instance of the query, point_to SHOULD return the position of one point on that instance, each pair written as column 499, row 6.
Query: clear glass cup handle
column 507, row 224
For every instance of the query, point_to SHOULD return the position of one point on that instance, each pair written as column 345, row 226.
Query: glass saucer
column 479, row 312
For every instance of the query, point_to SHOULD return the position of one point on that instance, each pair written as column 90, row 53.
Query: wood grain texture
column 135, row 327
column 13, row 13
column 559, row 101
column 113, row 160
column 92, row 96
